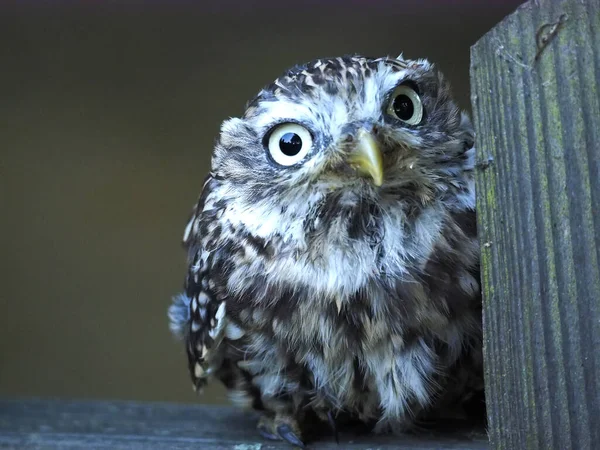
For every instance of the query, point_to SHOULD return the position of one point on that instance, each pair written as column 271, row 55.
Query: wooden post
column 536, row 100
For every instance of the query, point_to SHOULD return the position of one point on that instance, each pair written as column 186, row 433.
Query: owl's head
column 363, row 127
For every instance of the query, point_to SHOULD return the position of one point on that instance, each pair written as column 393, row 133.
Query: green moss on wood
column 540, row 121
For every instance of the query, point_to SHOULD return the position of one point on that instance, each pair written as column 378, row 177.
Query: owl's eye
column 406, row 105
column 289, row 143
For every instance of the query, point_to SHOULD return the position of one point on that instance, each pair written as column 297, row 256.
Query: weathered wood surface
column 536, row 102
column 56, row 424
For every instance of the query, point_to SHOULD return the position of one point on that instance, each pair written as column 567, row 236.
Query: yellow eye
column 289, row 143
column 406, row 105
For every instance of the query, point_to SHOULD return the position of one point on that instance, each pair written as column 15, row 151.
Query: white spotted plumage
column 312, row 285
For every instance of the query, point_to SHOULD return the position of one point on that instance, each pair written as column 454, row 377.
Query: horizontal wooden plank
column 61, row 424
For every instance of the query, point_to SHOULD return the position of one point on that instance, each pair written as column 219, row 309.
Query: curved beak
column 366, row 157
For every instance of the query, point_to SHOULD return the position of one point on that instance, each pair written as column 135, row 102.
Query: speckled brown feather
column 310, row 293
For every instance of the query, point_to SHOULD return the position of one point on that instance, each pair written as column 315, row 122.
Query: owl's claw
column 333, row 426
column 280, row 428
column 265, row 429
column 264, row 432
column 285, row 431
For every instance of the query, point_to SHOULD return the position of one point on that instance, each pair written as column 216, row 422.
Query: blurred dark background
column 108, row 112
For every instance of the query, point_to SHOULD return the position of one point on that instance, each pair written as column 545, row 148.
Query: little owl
column 333, row 268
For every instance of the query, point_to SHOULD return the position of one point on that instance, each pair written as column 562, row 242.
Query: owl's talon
column 333, row 426
column 285, row 431
column 280, row 427
column 266, row 429
column 264, row 432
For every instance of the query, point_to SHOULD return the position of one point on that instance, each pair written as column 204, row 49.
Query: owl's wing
column 195, row 315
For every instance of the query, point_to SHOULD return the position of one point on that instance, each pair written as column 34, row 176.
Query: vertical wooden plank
column 536, row 102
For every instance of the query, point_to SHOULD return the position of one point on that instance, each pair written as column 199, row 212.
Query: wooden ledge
column 63, row 424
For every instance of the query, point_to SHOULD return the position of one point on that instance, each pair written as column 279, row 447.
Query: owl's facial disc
column 366, row 158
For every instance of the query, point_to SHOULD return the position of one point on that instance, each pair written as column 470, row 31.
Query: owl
column 333, row 268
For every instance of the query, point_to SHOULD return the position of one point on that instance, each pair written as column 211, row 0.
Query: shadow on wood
column 48, row 424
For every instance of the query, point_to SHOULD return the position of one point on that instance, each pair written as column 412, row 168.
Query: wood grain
column 61, row 424
column 536, row 103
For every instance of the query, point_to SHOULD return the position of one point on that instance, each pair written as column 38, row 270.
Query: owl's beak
column 366, row 157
